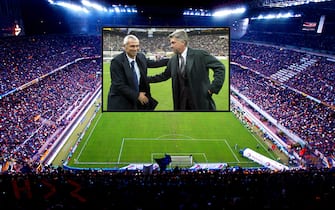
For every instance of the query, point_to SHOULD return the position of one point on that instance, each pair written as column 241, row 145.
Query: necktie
column 181, row 64
column 132, row 64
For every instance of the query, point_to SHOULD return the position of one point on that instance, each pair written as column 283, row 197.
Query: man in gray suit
column 130, row 90
column 189, row 71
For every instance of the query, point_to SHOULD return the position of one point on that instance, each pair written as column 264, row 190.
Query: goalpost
column 181, row 160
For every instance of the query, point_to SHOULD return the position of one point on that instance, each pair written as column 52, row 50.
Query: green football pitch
column 116, row 139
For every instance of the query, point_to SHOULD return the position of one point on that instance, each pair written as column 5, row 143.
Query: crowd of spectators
column 286, row 101
column 33, row 115
column 44, row 104
column 315, row 80
column 304, row 41
column 229, row 188
column 216, row 42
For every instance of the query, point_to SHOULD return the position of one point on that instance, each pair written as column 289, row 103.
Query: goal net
column 181, row 160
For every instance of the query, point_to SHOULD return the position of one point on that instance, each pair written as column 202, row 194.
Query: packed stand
column 32, row 116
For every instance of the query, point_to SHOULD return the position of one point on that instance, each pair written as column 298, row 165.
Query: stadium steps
column 287, row 73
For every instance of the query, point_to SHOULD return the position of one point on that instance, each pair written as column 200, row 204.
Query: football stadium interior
column 270, row 144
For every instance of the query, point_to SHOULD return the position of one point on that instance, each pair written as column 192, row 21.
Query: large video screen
column 158, row 82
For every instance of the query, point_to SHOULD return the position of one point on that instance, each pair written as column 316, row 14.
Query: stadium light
column 196, row 12
column 219, row 13
column 289, row 3
column 276, row 16
column 73, row 7
column 89, row 6
column 95, row 6
column 226, row 12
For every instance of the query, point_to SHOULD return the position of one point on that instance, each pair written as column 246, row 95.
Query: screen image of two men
column 165, row 69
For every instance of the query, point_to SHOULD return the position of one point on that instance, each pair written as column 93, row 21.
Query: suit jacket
column 122, row 94
column 198, row 63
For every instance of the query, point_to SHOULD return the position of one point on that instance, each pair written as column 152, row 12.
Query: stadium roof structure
column 54, row 19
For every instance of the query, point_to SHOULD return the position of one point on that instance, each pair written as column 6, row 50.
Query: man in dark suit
column 130, row 90
column 189, row 70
